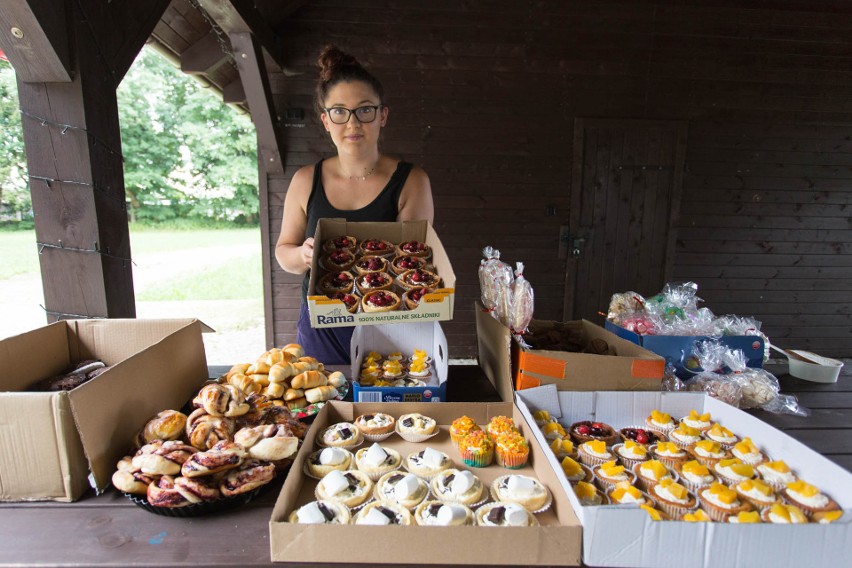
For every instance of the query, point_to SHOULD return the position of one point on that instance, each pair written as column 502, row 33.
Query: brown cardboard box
column 508, row 366
column 556, row 542
column 325, row 312
column 51, row 441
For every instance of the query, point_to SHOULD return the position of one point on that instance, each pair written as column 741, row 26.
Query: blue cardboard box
column 678, row 349
column 405, row 338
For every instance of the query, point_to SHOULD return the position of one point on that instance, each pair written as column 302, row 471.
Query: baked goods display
column 403, row 270
column 396, row 370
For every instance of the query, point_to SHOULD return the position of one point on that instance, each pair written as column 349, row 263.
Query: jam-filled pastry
column 321, row 513
column 419, row 278
column 440, row 514
column 162, row 493
column 197, row 489
column 414, row 248
column 342, row 242
column 248, row 477
column 380, row 301
column 406, row 262
column 221, row 457
column 162, row 458
column 378, row 247
column 412, row 297
column 370, row 264
column 341, row 435
column 373, row 281
column 351, row 488
column 334, row 282
column 337, row 260
column 384, row 513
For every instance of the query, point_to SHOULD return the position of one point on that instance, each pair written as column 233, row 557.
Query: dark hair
column 337, row 66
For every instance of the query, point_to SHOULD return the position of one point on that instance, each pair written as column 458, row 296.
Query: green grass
column 18, row 252
column 146, row 240
column 243, row 280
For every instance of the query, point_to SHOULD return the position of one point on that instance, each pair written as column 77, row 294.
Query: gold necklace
column 365, row 176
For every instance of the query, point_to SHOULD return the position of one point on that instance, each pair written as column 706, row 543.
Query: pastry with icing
column 526, row 491
column 457, row 486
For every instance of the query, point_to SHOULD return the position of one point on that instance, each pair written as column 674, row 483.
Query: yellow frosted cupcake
column 512, row 450
column 461, row 427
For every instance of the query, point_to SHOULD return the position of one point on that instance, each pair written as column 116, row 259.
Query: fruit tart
column 587, row 430
column 380, row 301
column 414, row 248
column 370, row 281
column 351, row 301
column 334, row 282
column 379, row 247
column 406, row 262
column 337, row 260
column 419, row 277
column 412, row 297
column 370, row 264
column 342, row 242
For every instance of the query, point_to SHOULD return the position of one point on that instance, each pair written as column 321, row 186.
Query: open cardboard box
column 508, row 365
column 405, row 338
column 555, row 542
column 51, row 441
column 326, row 312
column 626, row 536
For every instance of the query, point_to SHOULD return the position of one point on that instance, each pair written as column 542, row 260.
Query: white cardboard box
column 626, row 536
column 405, row 338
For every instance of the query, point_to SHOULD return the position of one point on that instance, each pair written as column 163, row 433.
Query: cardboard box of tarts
column 402, row 338
column 53, row 445
column 626, row 535
column 434, row 306
column 625, row 366
column 555, row 542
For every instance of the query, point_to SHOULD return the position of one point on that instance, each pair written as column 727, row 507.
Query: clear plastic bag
column 495, row 276
column 761, row 388
column 523, row 302
column 721, row 387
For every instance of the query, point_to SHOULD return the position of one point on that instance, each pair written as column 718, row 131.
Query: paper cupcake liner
column 670, row 461
column 414, row 437
column 512, row 461
column 592, row 461
column 809, row 512
column 308, row 473
column 607, row 484
column 482, row 459
column 694, row 487
column 548, row 498
column 626, row 461
column 661, row 429
column 777, row 485
column 457, row 438
column 599, row 493
column 673, row 510
column 708, row 461
column 725, row 445
column 471, row 520
column 376, row 475
column 484, row 498
column 378, row 437
column 718, row 514
column 482, row 511
column 683, row 445
column 646, row 484
column 352, row 508
column 729, row 480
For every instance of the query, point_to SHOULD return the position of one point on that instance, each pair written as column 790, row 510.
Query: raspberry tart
column 370, row 264
column 379, row 247
column 351, row 301
column 338, row 260
column 643, row 436
column 380, row 301
column 587, row 430
column 419, row 277
column 413, row 296
column 406, row 262
column 342, row 242
column 370, row 281
column 334, row 282
column 414, row 248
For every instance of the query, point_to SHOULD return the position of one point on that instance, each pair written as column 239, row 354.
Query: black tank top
column 385, row 207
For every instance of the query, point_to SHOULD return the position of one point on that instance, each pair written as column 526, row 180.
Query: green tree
column 14, row 191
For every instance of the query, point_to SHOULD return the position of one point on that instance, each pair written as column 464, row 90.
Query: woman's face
column 353, row 135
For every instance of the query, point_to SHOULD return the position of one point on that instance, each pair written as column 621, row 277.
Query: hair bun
column 331, row 59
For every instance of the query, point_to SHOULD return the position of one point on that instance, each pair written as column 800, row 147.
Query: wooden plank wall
column 483, row 94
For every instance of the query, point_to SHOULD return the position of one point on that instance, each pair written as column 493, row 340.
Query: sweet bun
column 167, row 425
column 321, row 393
column 271, row 442
column 308, row 380
column 221, row 457
column 205, row 431
column 132, row 482
column 162, row 493
column 337, row 379
column 300, row 402
column 293, row 394
column 162, row 458
column 197, row 489
column 248, row 477
column 245, row 383
column 275, row 390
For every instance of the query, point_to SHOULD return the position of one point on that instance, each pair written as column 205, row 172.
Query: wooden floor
column 108, row 530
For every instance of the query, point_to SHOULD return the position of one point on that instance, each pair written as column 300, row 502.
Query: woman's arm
column 293, row 251
column 415, row 201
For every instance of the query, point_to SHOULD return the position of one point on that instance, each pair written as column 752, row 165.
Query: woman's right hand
column 307, row 251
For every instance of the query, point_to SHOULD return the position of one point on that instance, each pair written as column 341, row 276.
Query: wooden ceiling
column 194, row 35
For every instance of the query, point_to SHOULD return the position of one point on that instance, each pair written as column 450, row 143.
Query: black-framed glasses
column 341, row 115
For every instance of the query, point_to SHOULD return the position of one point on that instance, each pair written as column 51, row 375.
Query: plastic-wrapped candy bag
column 761, row 388
column 495, row 277
column 523, row 302
column 671, row 382
column 710, row 356
column 721, row 387
column 625, row 305
column 673, row 302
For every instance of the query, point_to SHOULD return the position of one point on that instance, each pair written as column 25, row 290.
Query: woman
column 358, row 184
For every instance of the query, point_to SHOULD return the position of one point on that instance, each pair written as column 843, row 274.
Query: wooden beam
column 240, row 16
column 249, row 58
column 234, row 93
column 34, row 36
column 203, row 56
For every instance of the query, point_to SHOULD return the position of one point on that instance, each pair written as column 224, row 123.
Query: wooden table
column 108, row 530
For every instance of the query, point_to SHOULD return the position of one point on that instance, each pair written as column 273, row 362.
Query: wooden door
column 625, row 199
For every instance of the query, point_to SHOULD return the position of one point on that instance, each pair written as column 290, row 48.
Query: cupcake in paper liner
column 589, row 495
column 694, row 475
column 660, row 422
column 651, row 472
column 427, row 463
column 563, row 447
column 609, row 474
column 672, row 498
column 759, row 494
column 732, row 471
column 500, row 425
column 808, row 498
column 776, row 473
column 722, row 435
column 626, row 494
column 669, row 453
column 594, row 452
column 377, row 460
column 321, row 462
column 351, row 488
column 630, row 453
column 512, row 450
column 700, row 422
column 575, row 471
column 416, row 427
column 524, row 490
column 405, row 489
column 477, row 449
column 746, row 451
column 721, row 502
column 684, row 435
column 708, row 452
column 461, row 427
column 781, row 513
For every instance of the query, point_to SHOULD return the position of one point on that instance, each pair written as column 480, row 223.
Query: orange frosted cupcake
column 721, row 502
column 461, row 427
column 576, row 472
column 512, row 450
column 709, row 452
column 808, row 498
column 500, row 425
column 477, row 450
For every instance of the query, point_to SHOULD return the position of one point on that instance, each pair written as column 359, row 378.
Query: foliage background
column 188, row 157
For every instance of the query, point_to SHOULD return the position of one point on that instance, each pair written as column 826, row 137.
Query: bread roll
column 260, row 378
column 320, row 394
column 239, row 368
column 292, row 394
column 258, row 367
column 244, row 383
column 294, row 349
column 296, row 403
column 275, row 390
column 280, row 372
column 167, row 425
column 337, row 379
column 308, row 380
column 272, row 356
column 313, row 363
